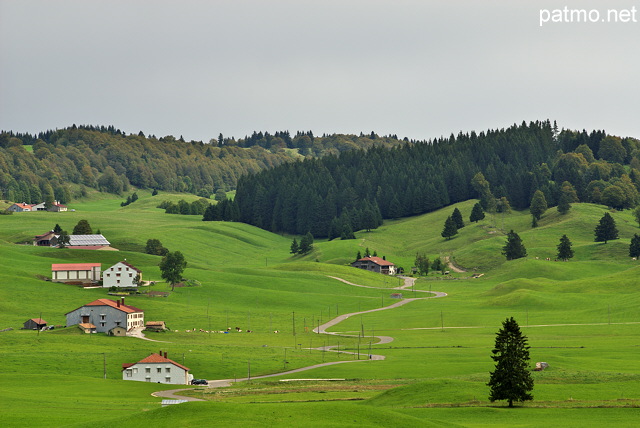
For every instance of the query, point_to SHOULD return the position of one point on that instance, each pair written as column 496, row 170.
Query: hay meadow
column 580, row 316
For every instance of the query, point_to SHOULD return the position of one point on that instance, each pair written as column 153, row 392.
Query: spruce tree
column 57, row 229
column 457, row 217
column 511, row 380
column 634, row 248
column 306, row 243
column 606, row 229
column 358, row 256
column 564, row 249
column 477, row 213
column 294, row 247
column 450, row 228
column 514, row 249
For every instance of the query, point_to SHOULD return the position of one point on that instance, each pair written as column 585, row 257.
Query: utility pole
column 104, row 364
column 248, row 369
column 293, row 319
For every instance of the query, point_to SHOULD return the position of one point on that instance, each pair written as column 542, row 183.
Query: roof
column 74, row 266
column 128, row 264
column 38, row 320
column 49, row 233
column 23, row 206
column 376, row 260
column 108, row 302
column 86, row 325
column 126, row 366
column 157, row 358
column 75, row 240
column 60, row 205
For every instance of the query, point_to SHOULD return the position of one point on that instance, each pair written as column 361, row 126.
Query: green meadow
column 580, row 316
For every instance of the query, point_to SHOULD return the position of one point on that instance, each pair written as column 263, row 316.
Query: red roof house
column 375, row 264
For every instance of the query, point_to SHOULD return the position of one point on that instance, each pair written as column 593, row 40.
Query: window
column 147, row 370
column 167, row 370
column 119, row 269
column 167, row 379
column 118, row 275
column 130, row 275
column 102, row 317
column 118, row 282
column 159, row 369
column 148, row 379
column 129, row 372
column 108, row 275
column 102, row 324
column 135, row 370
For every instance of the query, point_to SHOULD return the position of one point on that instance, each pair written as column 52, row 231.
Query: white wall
column 148, row 372
column 119, row 275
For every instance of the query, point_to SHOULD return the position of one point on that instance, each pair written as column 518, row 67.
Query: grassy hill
column 580, row 316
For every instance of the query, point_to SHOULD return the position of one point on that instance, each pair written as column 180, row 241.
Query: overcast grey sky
column 415, row 68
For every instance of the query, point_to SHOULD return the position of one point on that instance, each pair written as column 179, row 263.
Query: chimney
column 118, row 302
column 160, row 353
column 165, row 354
column 123, row 301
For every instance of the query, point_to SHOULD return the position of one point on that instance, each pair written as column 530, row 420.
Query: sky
column 415, row 68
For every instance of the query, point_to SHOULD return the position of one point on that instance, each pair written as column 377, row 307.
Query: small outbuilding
column 87, row 327
column 155, row 326
column 117, row 331
column 34, row 324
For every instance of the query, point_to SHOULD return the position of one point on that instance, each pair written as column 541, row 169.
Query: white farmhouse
column 122, row 274
column 105, row 314
column 157, row 368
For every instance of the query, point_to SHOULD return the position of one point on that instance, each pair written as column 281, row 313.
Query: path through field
column 408, row 283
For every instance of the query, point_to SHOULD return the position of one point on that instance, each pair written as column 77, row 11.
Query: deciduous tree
column 171, row 268
column 538, row 205
column 82, row 228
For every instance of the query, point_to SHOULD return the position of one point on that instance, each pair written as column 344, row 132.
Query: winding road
column 408, row 283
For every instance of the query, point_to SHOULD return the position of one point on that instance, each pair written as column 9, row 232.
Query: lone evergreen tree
column 514, row 249
column 57, row 229
column 538, row 204
column 511, row 380
column 457, row 218
column 450, row 228
column 564, row 249
column 634, row 248
column 606, row 229
column 358, row 256
column 477, row 213
column 294, row 246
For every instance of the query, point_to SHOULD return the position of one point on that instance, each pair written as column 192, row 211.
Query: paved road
column 408, row 282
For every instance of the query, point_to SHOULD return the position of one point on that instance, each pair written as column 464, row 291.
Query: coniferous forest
column 330, row 185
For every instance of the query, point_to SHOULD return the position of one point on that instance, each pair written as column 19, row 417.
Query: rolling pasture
column 580, row 316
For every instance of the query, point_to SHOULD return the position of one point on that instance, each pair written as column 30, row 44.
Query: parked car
column 199, row 382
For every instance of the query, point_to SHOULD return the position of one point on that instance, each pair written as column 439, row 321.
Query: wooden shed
column 34, row 324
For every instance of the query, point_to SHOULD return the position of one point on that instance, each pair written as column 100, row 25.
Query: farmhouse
column 122, row 274
column 158, row 369
column 375, row 264
column 34, row 324
column 75, row 272
column 57, row 207
column 20, row 208
column 44, row 240
column 105, row 314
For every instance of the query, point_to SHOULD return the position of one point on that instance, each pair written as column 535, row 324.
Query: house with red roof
column 157, row 368
column 21, row 207
column 57, row 207
column 105, row 314
column 122, row 274
column 75, row 272
column 375, row 264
